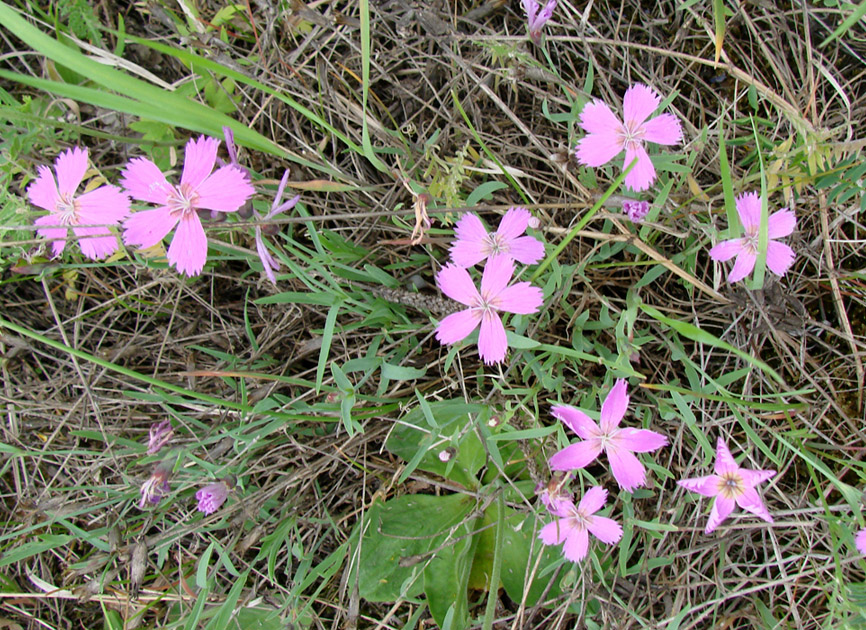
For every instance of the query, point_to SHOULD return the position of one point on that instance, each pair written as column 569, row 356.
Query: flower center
column 67, row 210
column 495, row 245
column 750, row 242
column 632, row 135
column 182, row 201
column 731, row 485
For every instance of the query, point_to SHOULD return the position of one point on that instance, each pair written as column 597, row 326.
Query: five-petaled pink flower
column 212, row 496
column 619, row 444
column 607, row 136
column 473, row 243
column 730, row 485
column 106, row 205
column 779, row 224
column 860, row 541
column 268, row 261
column 224, row 190
column 495, row 295
column 537, row 19
column 575, row 524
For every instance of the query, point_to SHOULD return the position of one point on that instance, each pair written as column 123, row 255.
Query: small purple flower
column 160, row 434
column 268, row 261
column 635, row 210
column 537, row 19
column 212, row 496
column 155, row 488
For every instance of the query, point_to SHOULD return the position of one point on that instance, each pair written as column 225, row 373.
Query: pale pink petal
column 750, row 501
column 722, row 508
column 188, row 249
column 57, row 235
column 556, row 532
column 605, row 529
column 470, row 236
column 749, row 210
column 576, row 456
column 456, row 283
column 492, row 342
column 592, row 501
column 780, row 257
column 531, row 8
column 743, row 266
column 663, row 129
column 496, row 276
column 467, row 253
column 614, row 406
column 43, row 191
column 727, row 249
column 638, row 103
column 639, row 440
column 71, row 165
column 576, row 544
column 146, row 229
column 626, row 468
column 596, row 118
column 513, row 224
column 546, row 13
column 269, row 263
column 106, row 204
column 724, row 460
column 521, row 298
column 143, row 180
column 781, row 223
column 527, row 250
column 96, row 248
column 457, row 326
column 754, row 477
column 707, row 486
column 598, row 149
column 226, row 190
column 643, row 174
column 198, row 161
column 860, row 541
column 577, row 421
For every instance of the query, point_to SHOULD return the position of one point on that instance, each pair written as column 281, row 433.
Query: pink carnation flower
column 224, row 190
column 576, row 523
column 779, row 224
column 731, row 485
column 211, row 497
column 106, row 205
column 619, row 444
column 473, row 243
column 270, row 263
column 607, row 136
column 860, row 541
column 537, row 19
column 495, row 295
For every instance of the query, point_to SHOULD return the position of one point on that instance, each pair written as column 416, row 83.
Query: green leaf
column 446, row 578
column 484, row 191
column 401, row 373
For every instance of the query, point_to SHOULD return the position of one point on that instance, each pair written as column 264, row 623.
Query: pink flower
column 155, row 488
column 636, row 211
column 224, row 190
column 160, row 434
column 860, row 541
column 473, row 243
column 577, row 522
column 779, row 224
column 536, row 19
column 495, row 295
column 106, row 205
column 607, row 136
column 731, row 484
column 268, row 261
column 619, row 444
column 211, row 497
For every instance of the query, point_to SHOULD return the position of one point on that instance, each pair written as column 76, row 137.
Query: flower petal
column 597, row 149
column 106, row 204
column 707, row 486
column 722, row 508
column 743, row 266
column 269, row 263
column 188, row 249
column 513, row 224
column 42, row 192
column 781, row 223
column 639, row 440
column 521, row 298
column 198, row 161
column 556, row 532
column 576, row 456
column 727, row 249
column 470, row 237
column 492, row 342
column 70, row 167
column 605, row 529
column 577, row 421
column 754, row 477
column 614, row 406
column 456, row 283
column 57, row 235
column 664, row 129
column 638, row 103
column 750, row 501
column 226, row 190
column 576, row 544
column 592, row 501
column 596, row 118
column 724, row 460
column 749, row 210
column 146, row 229
column 143, row 180
column 860, row 541
column 531, row 8
column 780, row 257
column 643, row 174
column 496, row 276
column 457, row 326
column 527, row 250
column 626, row 468
column 95, row 248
